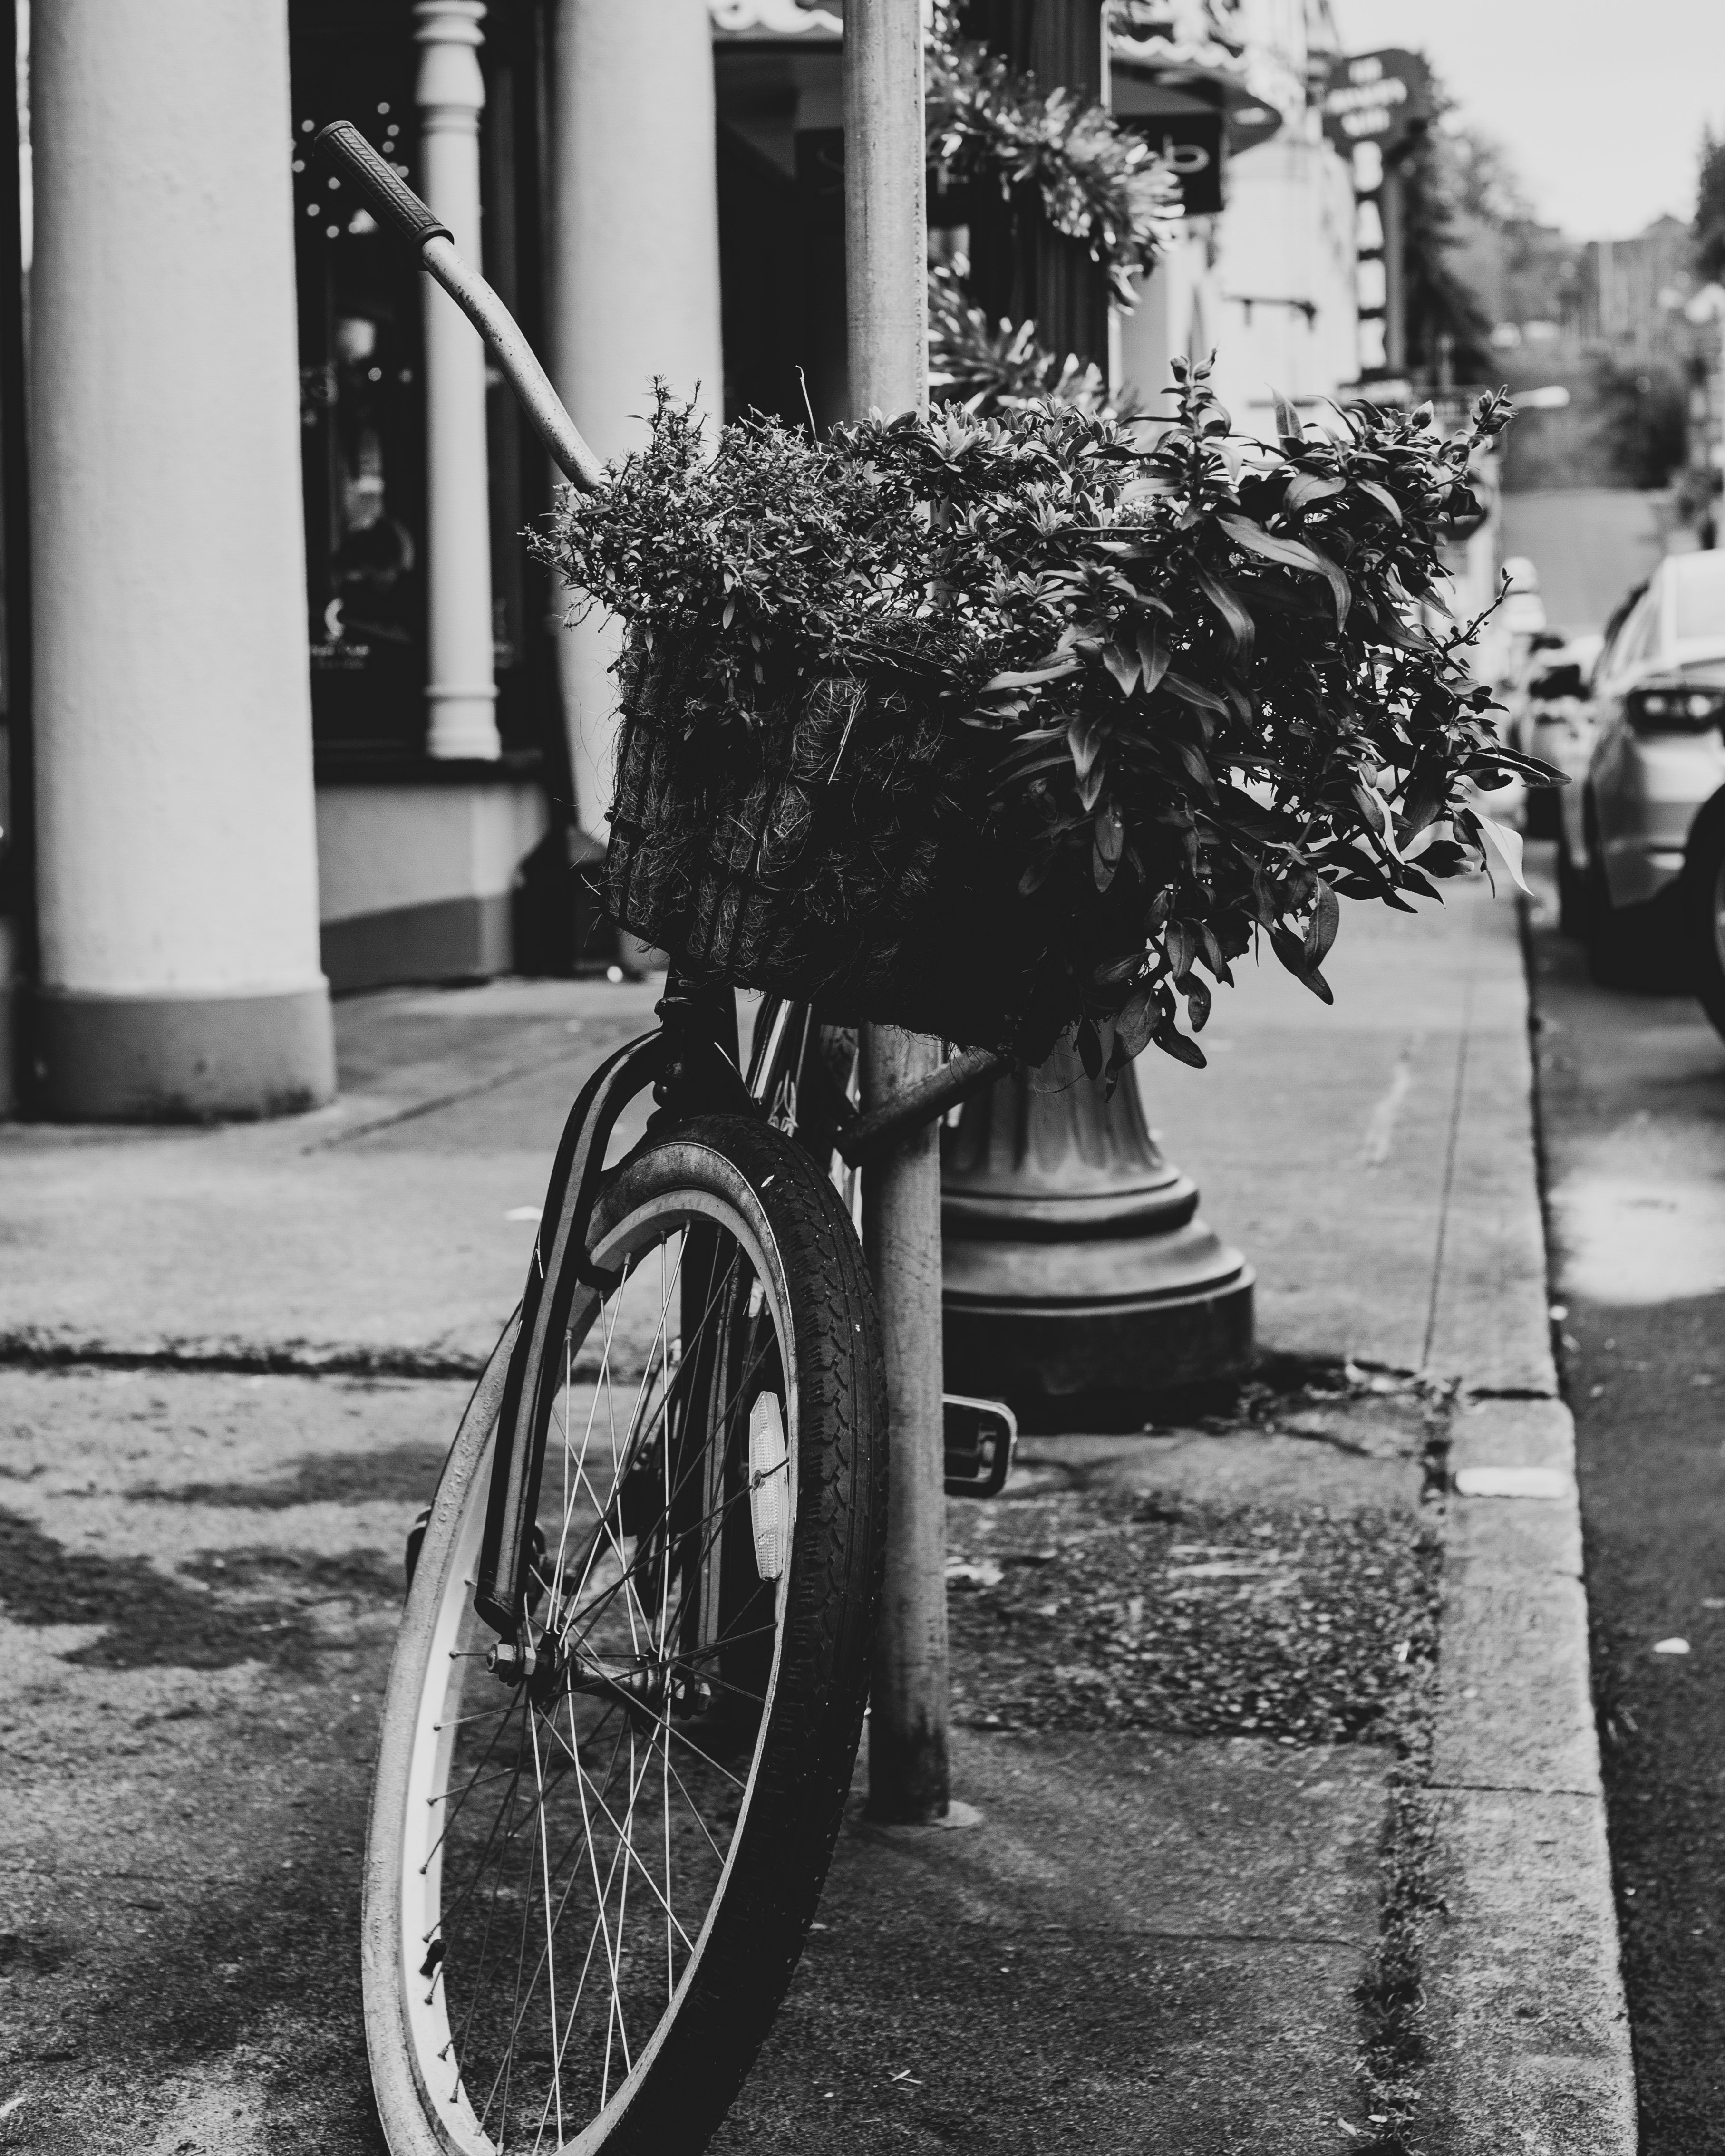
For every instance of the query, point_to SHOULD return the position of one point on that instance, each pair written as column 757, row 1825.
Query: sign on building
column 1183, row 129
column 1376, row 106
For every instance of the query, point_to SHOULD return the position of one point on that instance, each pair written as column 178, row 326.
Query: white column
column 462, row 692
column 178, row 868
column 635, row 272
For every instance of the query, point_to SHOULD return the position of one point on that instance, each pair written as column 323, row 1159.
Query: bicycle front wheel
column 586, row 1891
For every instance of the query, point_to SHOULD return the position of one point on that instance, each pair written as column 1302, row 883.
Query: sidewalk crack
column 1451, row 1145
column 27, row 1351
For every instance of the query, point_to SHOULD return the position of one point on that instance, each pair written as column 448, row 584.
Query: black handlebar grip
column 385, row 193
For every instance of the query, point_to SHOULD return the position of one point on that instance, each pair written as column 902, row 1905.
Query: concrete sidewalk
column 1202, row 1909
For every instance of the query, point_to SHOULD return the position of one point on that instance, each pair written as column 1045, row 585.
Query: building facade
column 1263, row 276
column 292, row 706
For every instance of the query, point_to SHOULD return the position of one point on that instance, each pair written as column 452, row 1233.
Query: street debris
column 1201, row 1618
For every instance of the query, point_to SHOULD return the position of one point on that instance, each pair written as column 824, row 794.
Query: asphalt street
column 1632, row 1096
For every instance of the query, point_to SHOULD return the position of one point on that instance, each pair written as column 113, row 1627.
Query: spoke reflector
column 769, row 1486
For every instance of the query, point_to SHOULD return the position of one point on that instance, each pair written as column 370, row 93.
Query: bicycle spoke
column 621, row 1829
column 579, row 1827
column 687, row 1364
column 550, row 1948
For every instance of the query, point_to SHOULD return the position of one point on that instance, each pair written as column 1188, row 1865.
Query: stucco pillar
column 635, row 274
column 177, row 877
column 462, row 691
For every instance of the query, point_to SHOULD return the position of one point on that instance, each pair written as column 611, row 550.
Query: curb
column 1527, row 2030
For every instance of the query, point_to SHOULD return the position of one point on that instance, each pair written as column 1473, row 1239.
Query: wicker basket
column 826, row 845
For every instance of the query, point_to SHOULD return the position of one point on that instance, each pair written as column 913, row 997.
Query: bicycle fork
column 688, row 1070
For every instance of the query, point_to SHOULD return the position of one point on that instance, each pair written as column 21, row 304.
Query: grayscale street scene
column 862, row 1078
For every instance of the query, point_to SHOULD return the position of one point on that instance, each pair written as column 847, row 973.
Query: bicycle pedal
column 980, row 1436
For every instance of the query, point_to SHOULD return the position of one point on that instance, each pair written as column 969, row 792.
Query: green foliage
column 1190, row 687
column 1070, row 164
column 1093, row 179
column 1001, row 367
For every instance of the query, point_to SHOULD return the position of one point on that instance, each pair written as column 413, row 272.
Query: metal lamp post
column 886, row 225
column 1074, row 1267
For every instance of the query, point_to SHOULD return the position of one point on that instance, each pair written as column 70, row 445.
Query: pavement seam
column 1461, row 1786
column 391, row 1118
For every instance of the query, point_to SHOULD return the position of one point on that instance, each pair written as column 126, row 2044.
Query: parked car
column 1641, row 839
column 1553, row 719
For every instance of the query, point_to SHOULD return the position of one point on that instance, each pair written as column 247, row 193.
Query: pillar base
column 98, row 1059
column 1079, row 1280
column 1104, row 1360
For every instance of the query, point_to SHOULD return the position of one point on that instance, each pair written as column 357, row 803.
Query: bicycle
column 628, row 1693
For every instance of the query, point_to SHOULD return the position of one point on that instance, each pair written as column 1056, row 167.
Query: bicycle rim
column 560, row 1850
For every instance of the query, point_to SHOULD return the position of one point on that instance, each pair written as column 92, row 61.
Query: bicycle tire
column 782, row 1292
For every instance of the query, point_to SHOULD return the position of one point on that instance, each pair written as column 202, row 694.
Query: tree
column 1643, row 420
column 1484, row 181
column 1446, row 326
column 1710, row 208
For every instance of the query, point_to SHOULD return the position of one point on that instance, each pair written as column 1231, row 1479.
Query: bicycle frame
column 691, row 1062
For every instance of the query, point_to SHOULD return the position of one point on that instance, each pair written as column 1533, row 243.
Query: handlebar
column 393, row 203
column 386, row 194
column 871, row 1135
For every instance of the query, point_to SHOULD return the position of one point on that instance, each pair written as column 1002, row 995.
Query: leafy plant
column 999, row 367
column 1093, row 179
column 1066, row 163
column 1243, row 694
column 1173, row 689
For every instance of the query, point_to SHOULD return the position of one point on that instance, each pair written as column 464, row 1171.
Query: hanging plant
column 999, row 367
column 1093, row 180
column 1002, row 728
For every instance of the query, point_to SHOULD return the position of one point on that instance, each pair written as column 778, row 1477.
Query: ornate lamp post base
column 1076, row 1271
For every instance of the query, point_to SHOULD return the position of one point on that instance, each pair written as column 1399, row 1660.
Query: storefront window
column 362, row 410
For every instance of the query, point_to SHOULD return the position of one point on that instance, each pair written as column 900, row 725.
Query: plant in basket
column 1001, row 728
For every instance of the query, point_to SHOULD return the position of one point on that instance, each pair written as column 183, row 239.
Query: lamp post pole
column 886, row 236
column 1078, row 1279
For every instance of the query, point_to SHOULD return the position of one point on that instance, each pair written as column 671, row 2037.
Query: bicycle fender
column 500, row 1594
